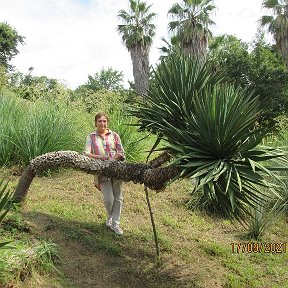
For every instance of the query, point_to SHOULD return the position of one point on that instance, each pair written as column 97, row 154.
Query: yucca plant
column 4, row 199
column 171, row 87
column 263, row 217
column 211, row 130
column 282, row 142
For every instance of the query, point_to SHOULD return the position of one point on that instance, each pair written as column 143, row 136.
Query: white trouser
column 113, row 198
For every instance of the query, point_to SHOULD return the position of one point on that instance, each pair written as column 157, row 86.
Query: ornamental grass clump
column 29, row 129
column 11, row 112
column 45, row 128
column 27, row 257
column 210, row 128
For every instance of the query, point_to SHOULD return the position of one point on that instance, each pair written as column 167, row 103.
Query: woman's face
column 102, row 123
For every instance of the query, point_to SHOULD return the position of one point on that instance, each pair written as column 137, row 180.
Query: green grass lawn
column 196, row 250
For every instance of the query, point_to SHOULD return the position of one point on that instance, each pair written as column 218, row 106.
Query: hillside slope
column 196, row 250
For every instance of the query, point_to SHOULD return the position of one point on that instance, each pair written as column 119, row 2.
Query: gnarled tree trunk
column 149, row 174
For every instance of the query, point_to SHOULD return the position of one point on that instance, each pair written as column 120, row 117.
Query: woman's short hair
column 100, row 114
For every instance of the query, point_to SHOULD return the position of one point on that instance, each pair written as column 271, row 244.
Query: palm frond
column 137, row 27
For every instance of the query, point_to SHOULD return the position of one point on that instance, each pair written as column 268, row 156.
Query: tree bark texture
column 140, row 62
column 281, row 34
column 196, row 46
column 153, row 176
column 282, row 44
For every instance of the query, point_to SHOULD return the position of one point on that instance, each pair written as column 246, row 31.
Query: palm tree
column 137, row 33
column 278, row 24
column 191, row 25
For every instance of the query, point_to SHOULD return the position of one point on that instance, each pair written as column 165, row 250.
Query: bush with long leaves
column 4, row 199
column 211, row 130
column 29, row 129
column 174, row 81
column 282, row 141
column 10, row 117
column 262, row 217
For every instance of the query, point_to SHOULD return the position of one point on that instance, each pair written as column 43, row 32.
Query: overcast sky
column 71, row 39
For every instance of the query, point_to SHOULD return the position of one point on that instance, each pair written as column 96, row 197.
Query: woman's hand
column 117, row 157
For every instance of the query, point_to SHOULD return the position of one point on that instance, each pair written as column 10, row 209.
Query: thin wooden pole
column 152, row 222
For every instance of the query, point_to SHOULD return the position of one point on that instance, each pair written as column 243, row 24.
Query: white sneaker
column 117, row 229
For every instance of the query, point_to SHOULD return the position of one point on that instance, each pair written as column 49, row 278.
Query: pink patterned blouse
column 106, row 146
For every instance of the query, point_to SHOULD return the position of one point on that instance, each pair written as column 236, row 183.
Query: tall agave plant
column 211, row 130
column 4, row 199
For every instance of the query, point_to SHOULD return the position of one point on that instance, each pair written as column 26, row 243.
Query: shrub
column 20, row 262
column 29, row 129
column 11, row 113
column 46, row 128
column 211, row 130
column 4, row 199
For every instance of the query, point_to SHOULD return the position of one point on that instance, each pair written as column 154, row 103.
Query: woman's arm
column 120, row 155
